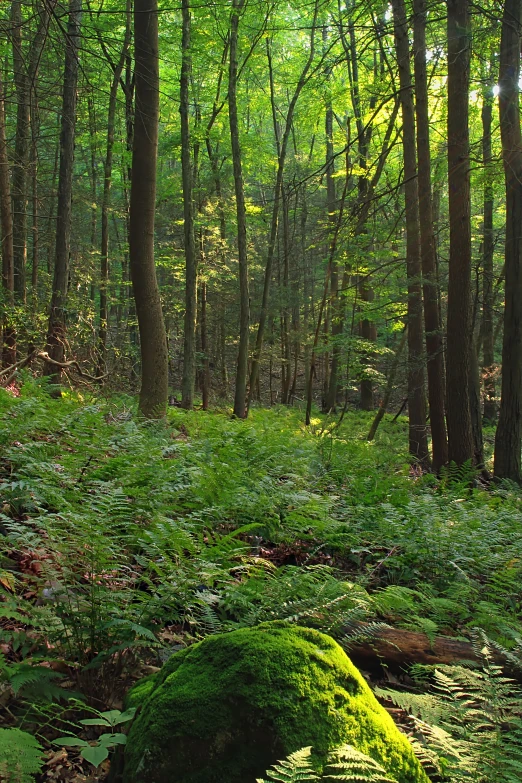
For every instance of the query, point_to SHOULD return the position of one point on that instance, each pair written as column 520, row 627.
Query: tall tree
column 117, row 69
column 56, row 334
column 21, row 156
column 189, row 343
column 488, row 246
column 153, row 339
column 244, row 303
column 418, row 439
column 459, row 340
column 281, row 146
column 508, row 439
column 6, row 233
column 434, row 344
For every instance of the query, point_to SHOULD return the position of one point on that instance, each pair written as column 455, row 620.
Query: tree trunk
column 106, row 198
column 488, row 361
column 508, row 437
column 56, row 334
column 434, row 344
column 153, row 339
column 389, row 387
column 6, row 231
column 21, row 159
column 244, row 304
column 369, row 334
column 189, row 347
column 460, row 439
column 418, row 439
column 336, row 322
column 282, row 145
column 205, row 372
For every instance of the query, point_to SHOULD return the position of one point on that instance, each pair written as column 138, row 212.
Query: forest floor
column 123, row 540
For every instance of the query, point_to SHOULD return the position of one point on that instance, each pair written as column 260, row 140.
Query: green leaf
column 95, row 722
column 108, row 740
column 95, row 754
column 70, row 742
column 112, row 717
column 125, row 716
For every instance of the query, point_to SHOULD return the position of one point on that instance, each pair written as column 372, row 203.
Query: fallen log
column 396, row 649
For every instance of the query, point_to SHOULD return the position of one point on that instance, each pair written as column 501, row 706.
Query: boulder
column 225, row 709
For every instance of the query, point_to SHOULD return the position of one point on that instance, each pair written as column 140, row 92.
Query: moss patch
column 229, row 707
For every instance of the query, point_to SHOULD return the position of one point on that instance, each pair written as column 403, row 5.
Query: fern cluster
column 20, row 756
column 469, row 723
column 344, row 763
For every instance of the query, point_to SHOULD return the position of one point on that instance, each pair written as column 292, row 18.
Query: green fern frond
column 296, row 767
column 20, row 756
column 348, row 763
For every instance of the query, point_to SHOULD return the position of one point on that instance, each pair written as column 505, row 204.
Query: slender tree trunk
column 389, row 387
column 488, row 361
column 368, row 333
column 205, row 374
column 56, row 335
column 434, row 343
column 106, row 198
column 282, row 146
column 508, row 439
column 189, row 347
column 336, row 322
column 6, row 232
column 21, row 156
column 418, row 440
column 244, row 304
column 459, row 341
column 153, row 339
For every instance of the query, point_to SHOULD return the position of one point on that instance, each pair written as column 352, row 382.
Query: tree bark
column 418, row 439
column 106, row 198
column 389, row 387
column 282, row 145
column 6, row 231
column 488, row 360
column 244, row 304
column 396, row 648
column 21, row 159
column 189, row 339
column 460, row 439
column 153, row 339
column 508, row 439
column 434, row 343
column 56, row 335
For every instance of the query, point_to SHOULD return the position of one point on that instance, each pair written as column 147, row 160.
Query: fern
column 20, row 756
column 348, row 763
column 345, row 763
column 470, row 725
column 296, row 767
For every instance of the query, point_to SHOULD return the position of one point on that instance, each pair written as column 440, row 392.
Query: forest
column 260, row 391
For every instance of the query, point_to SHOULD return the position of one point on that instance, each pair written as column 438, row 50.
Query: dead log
column 396, row 649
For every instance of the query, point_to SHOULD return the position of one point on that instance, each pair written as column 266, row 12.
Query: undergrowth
column 121, row 540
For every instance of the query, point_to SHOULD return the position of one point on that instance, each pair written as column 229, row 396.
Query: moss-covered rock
column 227, row 708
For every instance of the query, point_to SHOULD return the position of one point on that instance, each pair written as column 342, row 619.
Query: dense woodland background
column 328, row 176
column 306, row 215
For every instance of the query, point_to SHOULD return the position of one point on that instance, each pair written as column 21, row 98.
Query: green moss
column 228, row 707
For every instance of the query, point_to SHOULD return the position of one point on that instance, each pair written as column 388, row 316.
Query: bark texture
column 433, row 331
column 240, row 401
column 508, row 439
column 153, row 340
column 189, row 340
column 418, row 438
column 460, row 439
column 56, row 335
